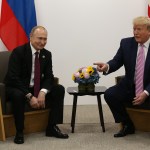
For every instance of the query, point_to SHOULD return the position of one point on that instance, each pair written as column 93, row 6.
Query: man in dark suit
column 135, row 86
column 24, row 84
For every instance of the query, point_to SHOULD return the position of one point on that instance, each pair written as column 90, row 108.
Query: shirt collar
column 33, row 49
column 146, row 44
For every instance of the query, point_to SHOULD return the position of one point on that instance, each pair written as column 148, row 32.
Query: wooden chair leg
column 2, row 131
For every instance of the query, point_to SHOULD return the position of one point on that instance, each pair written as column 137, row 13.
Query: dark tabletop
column 96, row 91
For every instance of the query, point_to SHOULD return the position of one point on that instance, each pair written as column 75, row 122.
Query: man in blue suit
column 127, row 56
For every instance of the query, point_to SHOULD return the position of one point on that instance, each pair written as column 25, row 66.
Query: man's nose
column 43, row 41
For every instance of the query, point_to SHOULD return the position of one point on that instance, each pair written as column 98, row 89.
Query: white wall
column 85, row 31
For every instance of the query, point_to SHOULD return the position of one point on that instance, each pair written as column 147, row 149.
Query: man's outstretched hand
column 101, row 67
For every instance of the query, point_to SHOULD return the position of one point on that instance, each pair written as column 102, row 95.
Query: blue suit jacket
column 126, row 56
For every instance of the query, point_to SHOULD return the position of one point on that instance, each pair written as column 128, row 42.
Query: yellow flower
column 81, row 75
column 73, row 77
column 90, row 70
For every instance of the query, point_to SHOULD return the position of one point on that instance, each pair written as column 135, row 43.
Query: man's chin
column 138, row 40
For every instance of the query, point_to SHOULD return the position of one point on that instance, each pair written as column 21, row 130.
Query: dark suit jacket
column 126, row 56
column 20, row 67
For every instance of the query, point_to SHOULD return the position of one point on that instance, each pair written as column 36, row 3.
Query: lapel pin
column 43, row 56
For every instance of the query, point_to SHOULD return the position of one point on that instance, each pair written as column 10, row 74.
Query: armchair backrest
column 4, row 58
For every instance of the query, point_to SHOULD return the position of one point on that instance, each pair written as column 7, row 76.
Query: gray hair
column 35, row 28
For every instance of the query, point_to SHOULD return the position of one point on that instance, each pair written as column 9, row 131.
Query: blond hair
column 142, row 20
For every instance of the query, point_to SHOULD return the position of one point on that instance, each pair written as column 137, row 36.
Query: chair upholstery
column 6, row 105
column 118, row 79
column 4, row 57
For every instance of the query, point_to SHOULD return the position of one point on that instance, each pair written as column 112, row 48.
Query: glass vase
column 89, row 87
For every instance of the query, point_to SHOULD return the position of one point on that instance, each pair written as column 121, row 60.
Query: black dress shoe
column 19, row 138
column 55, row 132
column 125, row 130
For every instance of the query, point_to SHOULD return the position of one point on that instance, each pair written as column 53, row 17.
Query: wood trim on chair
column 2, row 131
column 140, row 118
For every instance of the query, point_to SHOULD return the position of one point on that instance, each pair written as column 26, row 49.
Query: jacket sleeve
column 13, row 76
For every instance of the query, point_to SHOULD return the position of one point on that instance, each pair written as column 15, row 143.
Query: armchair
column 32, row 117
column 140, row 115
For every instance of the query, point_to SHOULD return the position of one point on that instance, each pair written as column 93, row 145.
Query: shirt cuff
column 146, row 92
column 44, row 90
column 107, row 69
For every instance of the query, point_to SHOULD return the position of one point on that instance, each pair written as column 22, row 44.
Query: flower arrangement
column 86, row 75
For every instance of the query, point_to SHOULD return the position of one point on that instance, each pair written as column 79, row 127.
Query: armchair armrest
column 118, row 78
column 56, row 80
column 2, row 96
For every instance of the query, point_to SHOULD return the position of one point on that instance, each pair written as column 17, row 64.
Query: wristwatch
column 29, row 97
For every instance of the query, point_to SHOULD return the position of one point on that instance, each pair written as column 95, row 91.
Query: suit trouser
column 54, row 100
column 116, row 97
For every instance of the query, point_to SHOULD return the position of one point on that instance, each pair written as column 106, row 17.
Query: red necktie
column 36, row 75
column 139, row 74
